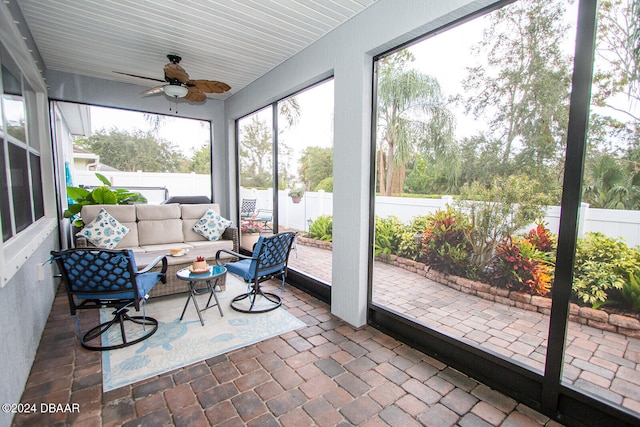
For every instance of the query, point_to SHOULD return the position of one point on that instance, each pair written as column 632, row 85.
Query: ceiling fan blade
column 195, row 95
column 153, row 90
column 175, row 72
column 210, row 86
column 140, row 77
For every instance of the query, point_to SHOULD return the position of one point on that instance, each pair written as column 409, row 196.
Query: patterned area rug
column 181, row 343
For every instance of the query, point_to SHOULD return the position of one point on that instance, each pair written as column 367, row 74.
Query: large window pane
column 5, row 209
column 255, row 148
column 471, row 136
column 305, row 177
column 602, row 356
column 20, row 190
column 13, row 102
column 36, row 186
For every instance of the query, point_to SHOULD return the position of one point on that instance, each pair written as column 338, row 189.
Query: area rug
column 181, row 343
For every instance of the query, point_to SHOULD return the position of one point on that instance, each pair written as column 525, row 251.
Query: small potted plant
column 250, row 227
column 296, row 194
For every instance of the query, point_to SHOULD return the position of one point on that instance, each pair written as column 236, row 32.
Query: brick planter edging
column 599, row 319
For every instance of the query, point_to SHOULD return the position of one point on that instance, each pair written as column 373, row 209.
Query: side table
column 211, row 277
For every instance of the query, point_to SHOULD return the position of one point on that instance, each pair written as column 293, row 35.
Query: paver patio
column 603, row 363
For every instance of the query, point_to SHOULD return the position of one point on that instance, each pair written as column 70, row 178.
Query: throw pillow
column 104, row 231
column 211, row 225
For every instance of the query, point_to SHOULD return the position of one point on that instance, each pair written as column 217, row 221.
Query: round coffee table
column 211, row 277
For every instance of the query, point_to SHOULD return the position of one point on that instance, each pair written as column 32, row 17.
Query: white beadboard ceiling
column 233, row 41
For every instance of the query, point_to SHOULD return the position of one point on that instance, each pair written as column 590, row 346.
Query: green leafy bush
column 326, row 185
column 389, row 232
column 410, row 240
column 103, row 195
column 602, row 265
column 499, row 211
column 322, row 228
column 631, row 292
column 445, row 241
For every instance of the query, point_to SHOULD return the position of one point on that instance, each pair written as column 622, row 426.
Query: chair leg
column 120, row 316
column 274, row 301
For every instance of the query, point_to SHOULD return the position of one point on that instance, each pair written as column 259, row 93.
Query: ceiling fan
column 180, row 85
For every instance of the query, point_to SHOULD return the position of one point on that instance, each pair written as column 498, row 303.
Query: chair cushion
column 211, row 225
column 244, row 270
column 104, row 231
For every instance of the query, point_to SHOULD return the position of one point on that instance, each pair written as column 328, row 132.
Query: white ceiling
column 233, row 41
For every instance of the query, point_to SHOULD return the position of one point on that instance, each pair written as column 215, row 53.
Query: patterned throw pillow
column 211, row 225
column 104, row 231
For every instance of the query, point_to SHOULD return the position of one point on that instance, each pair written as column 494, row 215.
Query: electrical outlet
column 40, row 272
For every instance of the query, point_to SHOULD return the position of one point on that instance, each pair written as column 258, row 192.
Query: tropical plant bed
column 628, row 325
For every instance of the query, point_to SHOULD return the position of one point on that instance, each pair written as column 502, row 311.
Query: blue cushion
column 245, row 270
column 241, row 268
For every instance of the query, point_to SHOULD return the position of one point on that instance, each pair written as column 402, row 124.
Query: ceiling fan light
column 175, row 91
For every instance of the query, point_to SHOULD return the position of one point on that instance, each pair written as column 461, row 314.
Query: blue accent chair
column 95, row 278
column 268, row 261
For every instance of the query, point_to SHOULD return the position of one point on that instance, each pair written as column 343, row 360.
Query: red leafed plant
column 520, row 266
column 541, row 238
column 200, row 259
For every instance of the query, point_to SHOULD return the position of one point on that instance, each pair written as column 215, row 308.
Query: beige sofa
column 156, row 229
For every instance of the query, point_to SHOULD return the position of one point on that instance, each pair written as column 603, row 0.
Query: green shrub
column 602, row 265
column 322, row 228
column 631, row 292
column 445, row 241
column 410, row 240
column 326, row 185
column 388, row 235
column 499, row 211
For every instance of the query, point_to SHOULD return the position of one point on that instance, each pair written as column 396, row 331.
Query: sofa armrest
column 231, row 233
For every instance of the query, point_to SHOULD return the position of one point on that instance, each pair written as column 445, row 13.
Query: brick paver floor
column 324, row 374
column 604, row 363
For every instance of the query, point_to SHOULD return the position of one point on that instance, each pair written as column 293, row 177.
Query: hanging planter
column 296, row 195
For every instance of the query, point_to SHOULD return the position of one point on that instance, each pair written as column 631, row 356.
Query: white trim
column 17, row 251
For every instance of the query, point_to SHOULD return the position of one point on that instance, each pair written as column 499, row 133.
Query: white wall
column 346, row 53
column 25, row 302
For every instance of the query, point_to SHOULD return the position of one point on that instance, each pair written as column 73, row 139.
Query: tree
column 256, row 154
column 524, row 85
column 316, row 164
column 201, row 160
column 610, row 184
column 133, row 151
column 411, row 109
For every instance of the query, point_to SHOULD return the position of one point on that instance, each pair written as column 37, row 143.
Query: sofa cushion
column 166, row 247
column 189, row 234
column 196, row 211
column 211, row 225
column 104, row 231
column 159, row 232
column 190, row 216
column 157, row 212
column 125, row 214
